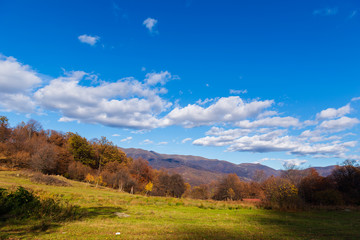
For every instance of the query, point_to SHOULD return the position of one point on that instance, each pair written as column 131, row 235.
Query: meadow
column 109, row 214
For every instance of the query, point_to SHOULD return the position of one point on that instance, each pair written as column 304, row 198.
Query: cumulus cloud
column 326, row 11
column 91, row 40
column 279, row 140
column 226, row 109
column 124, row 103
column 340, row 124
column 285, row 122
column 150, row 24
column 116, row 135
column 157, row 78
column 331, row 113
column 355, row 99
column 17, row 82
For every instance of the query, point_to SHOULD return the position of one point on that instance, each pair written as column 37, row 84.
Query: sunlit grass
column 170, row 218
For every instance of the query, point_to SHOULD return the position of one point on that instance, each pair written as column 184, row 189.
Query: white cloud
column 355, row 99
column 17, row 82
column 124, row 103
column 126, row 139
column 91, row 40
column 205, row 101
column 186, row 140
column 274, row 141
column 226, row 109
column 162, row 143
column 340, row 124
column 293, row 162
column 16, row 77
column 150, row 23
column 285, row 122
column 147, row 141
column 333, row 113
column 234, row 91
column 116, row 135
column 156, row 78
column 326, row 11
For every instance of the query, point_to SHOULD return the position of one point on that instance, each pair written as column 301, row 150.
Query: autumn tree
column 5, row 130
column 280, row 193
column 200, row 192
column 229, row 188
column 44, row 160
column 315, row 189
column 142, row 172
column 81, row 150
column 347, row 179
column 169, row 185
column 105, row 152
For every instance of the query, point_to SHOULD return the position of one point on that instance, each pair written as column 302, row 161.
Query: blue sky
column 243, row 81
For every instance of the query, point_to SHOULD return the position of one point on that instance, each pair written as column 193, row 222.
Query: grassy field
column 169, row 218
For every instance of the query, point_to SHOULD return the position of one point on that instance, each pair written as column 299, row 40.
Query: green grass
column 169, row 218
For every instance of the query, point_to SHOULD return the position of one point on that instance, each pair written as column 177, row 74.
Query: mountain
column 198, row 170
column 325, row 171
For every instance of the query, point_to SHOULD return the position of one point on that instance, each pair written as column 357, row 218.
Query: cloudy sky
column 271, row 82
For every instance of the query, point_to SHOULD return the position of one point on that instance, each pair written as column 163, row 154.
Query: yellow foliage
column 149, row 187
column 89, row 178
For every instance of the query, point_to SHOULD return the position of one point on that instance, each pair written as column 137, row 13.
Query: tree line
column 100, row 162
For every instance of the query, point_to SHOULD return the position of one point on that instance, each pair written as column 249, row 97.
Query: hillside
column 109, row 214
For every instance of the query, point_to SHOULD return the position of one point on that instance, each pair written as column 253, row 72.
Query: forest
column 29, row 147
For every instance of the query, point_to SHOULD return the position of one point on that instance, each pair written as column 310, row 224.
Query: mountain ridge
column 200, row 170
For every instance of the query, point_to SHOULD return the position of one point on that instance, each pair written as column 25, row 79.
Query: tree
column 231, row 181
column 148, row 187
column 177, row 185
column 280, row 193
column 81, row 150
column 142, row 171
column 4, row 129
column 315, row 189
column 44, row 159
column 106, row 151
column 347, row 179
column 200, row 192
column 169, row 185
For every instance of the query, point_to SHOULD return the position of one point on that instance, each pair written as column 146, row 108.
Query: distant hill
column 198, row 170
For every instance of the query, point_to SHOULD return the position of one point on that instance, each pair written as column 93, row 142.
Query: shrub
column 49, row 180
column 24, row 204
column 329, row 197
column 280, row 194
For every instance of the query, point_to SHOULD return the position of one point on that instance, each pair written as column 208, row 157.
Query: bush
column 24, row 204
column 49, row 180
column 280, row 194
column 329, row 197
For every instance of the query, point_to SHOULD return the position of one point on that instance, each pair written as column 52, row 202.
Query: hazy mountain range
column 198, row 170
